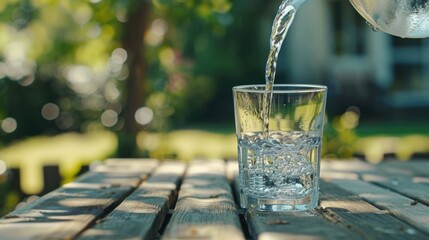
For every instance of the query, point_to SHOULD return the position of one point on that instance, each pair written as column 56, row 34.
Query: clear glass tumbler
column 279, row 167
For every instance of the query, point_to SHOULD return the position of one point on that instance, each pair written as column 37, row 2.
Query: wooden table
column 139, row 199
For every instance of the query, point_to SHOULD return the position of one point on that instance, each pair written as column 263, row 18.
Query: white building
column 330, row 43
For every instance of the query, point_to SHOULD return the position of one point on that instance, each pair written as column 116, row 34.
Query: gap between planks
column 65, row 212
column 371, row 222
column 205, row 208
column 142, row 214
column 374, row 183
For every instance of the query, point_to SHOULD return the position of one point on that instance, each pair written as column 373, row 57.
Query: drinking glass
column 279, row 165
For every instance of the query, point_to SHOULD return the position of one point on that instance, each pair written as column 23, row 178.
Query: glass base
column 282, row 205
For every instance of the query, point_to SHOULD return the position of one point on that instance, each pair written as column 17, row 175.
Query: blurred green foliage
column 58, row 52
column 214, row 44
column 71, row 54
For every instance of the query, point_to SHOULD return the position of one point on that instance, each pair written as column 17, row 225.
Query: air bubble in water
column 285, row 169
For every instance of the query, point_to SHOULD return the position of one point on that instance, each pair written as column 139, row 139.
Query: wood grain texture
column 417, row 167
column 299, row 225
column 400, row 206
column 141, row 214
column 131, row 198
column 205, row 207
column 403, row 185
column 166, row 178
column 118, row 165
column 369, row 221
column 65, row 212
column 393, row 175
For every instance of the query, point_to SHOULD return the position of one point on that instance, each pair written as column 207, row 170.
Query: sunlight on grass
column 188, row 144
column 69, row 151
column 374, row 148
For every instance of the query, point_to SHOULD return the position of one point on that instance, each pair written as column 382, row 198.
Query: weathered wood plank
column 394, row 167
column 403, row 185
column 62, row 214
column 205, row 207
column 166, row 178
column 298, row 225
column 356, row 205
column 141, row 214
column 344, row 166
column 129, row 165
column 369, row 221
column 356, row 215
column 417, row 167
column 421, row 180
column 235, row 185
column 400, row 180
column 417, row 170
column 402, row 207
column 65, row 212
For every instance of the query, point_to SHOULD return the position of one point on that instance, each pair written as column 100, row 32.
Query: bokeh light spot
column 9, row 125
column 349, row 120
column 26, row 81
column 3, row 167
column 159, row 27
column 167, row 57
column 82, row 14
column 144, row 116
column 109, row 118
column 155, row 35
column 65, row 120
column 50, row 111
column 121, row 15
column 2, row 70
column 94, row 31
column 80, row 80
column 119, row 55
column 111, row 92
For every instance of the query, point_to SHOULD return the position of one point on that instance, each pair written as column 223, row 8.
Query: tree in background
column 124, row 65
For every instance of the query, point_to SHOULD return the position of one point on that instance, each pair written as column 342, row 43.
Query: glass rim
column 289, row 88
